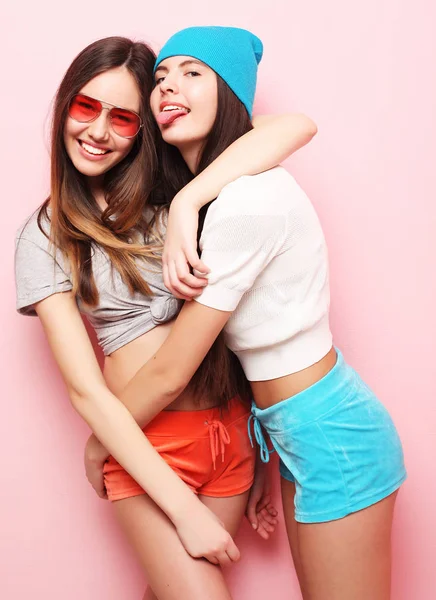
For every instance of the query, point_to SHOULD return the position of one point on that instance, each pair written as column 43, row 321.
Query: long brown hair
column 220, row 376
column 76, row 222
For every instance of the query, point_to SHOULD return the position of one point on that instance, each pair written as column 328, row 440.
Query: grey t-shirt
column 119, row 317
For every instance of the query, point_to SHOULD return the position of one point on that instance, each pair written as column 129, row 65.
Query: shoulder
column 33, row 247
column 39, row 272
column 267, row 193
column 35, row 229
column 251, row 211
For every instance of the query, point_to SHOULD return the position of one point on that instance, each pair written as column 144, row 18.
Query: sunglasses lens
column 84, row 109
column 125, row 122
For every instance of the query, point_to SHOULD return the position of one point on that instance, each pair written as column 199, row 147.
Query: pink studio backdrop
column 365, row 73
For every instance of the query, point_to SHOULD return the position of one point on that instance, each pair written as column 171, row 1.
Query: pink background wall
column 365, row 73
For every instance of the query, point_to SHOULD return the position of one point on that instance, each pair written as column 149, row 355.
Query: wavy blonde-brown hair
column 76, row 222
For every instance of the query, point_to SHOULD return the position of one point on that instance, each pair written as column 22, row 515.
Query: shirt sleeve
column 38, row 275
column 237, row 248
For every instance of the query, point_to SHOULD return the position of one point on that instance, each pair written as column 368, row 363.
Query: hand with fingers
column 204, row 536
column 95, row 457
column 180, row 255
column 260, row 512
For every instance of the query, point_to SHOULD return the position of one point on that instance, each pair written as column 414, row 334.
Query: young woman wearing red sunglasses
column 92, row 249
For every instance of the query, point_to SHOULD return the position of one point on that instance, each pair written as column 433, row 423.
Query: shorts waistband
column 317, row 399
column 194, row 424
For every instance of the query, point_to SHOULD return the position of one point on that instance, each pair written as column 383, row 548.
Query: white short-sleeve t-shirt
column 268, row 258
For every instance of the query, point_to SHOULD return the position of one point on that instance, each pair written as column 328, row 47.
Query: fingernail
column 254, row 525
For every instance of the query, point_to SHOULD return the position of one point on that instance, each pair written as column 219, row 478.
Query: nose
column 169, row 85
column 99, row 129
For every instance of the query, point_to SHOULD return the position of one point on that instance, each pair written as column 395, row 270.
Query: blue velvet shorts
column 337, row 442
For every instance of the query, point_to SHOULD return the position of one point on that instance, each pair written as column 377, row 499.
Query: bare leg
column 347, row 558
column 171, row 572
column 230, row 510
column 288, row 492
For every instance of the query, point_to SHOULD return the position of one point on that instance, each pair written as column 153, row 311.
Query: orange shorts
column 208, row 449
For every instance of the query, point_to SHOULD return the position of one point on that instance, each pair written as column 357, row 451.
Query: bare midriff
column 267, row 393
column 121, row 366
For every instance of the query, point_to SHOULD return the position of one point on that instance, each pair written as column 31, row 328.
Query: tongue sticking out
column 168, row 117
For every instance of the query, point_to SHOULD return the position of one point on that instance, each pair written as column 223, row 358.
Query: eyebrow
column 191, row 61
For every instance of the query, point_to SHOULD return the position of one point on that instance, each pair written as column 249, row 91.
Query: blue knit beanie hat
column 231, row 52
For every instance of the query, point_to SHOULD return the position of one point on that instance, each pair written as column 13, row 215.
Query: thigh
column 170, row 571
column 229, row 510
column 288, row 496
column 350, row 557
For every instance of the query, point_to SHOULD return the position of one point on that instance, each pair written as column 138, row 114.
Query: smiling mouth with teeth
column 92, row 149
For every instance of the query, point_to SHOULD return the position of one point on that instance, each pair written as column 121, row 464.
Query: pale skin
column 338, row 560
column 192, row 527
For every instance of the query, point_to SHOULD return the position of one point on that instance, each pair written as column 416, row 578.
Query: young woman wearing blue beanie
column 341, row 460
column 94, row 248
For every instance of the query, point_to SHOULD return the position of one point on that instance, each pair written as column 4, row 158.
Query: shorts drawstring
column 258, row 434
column 219, row 437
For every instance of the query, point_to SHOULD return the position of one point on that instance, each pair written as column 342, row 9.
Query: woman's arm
column 114, row 426
column 235, row 265
column 274, row 138
column 164, row 377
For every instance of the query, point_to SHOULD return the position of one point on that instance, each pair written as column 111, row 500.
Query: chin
column 172, row 140
column 93, row 172
column 179, row 139
column 89, row 170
